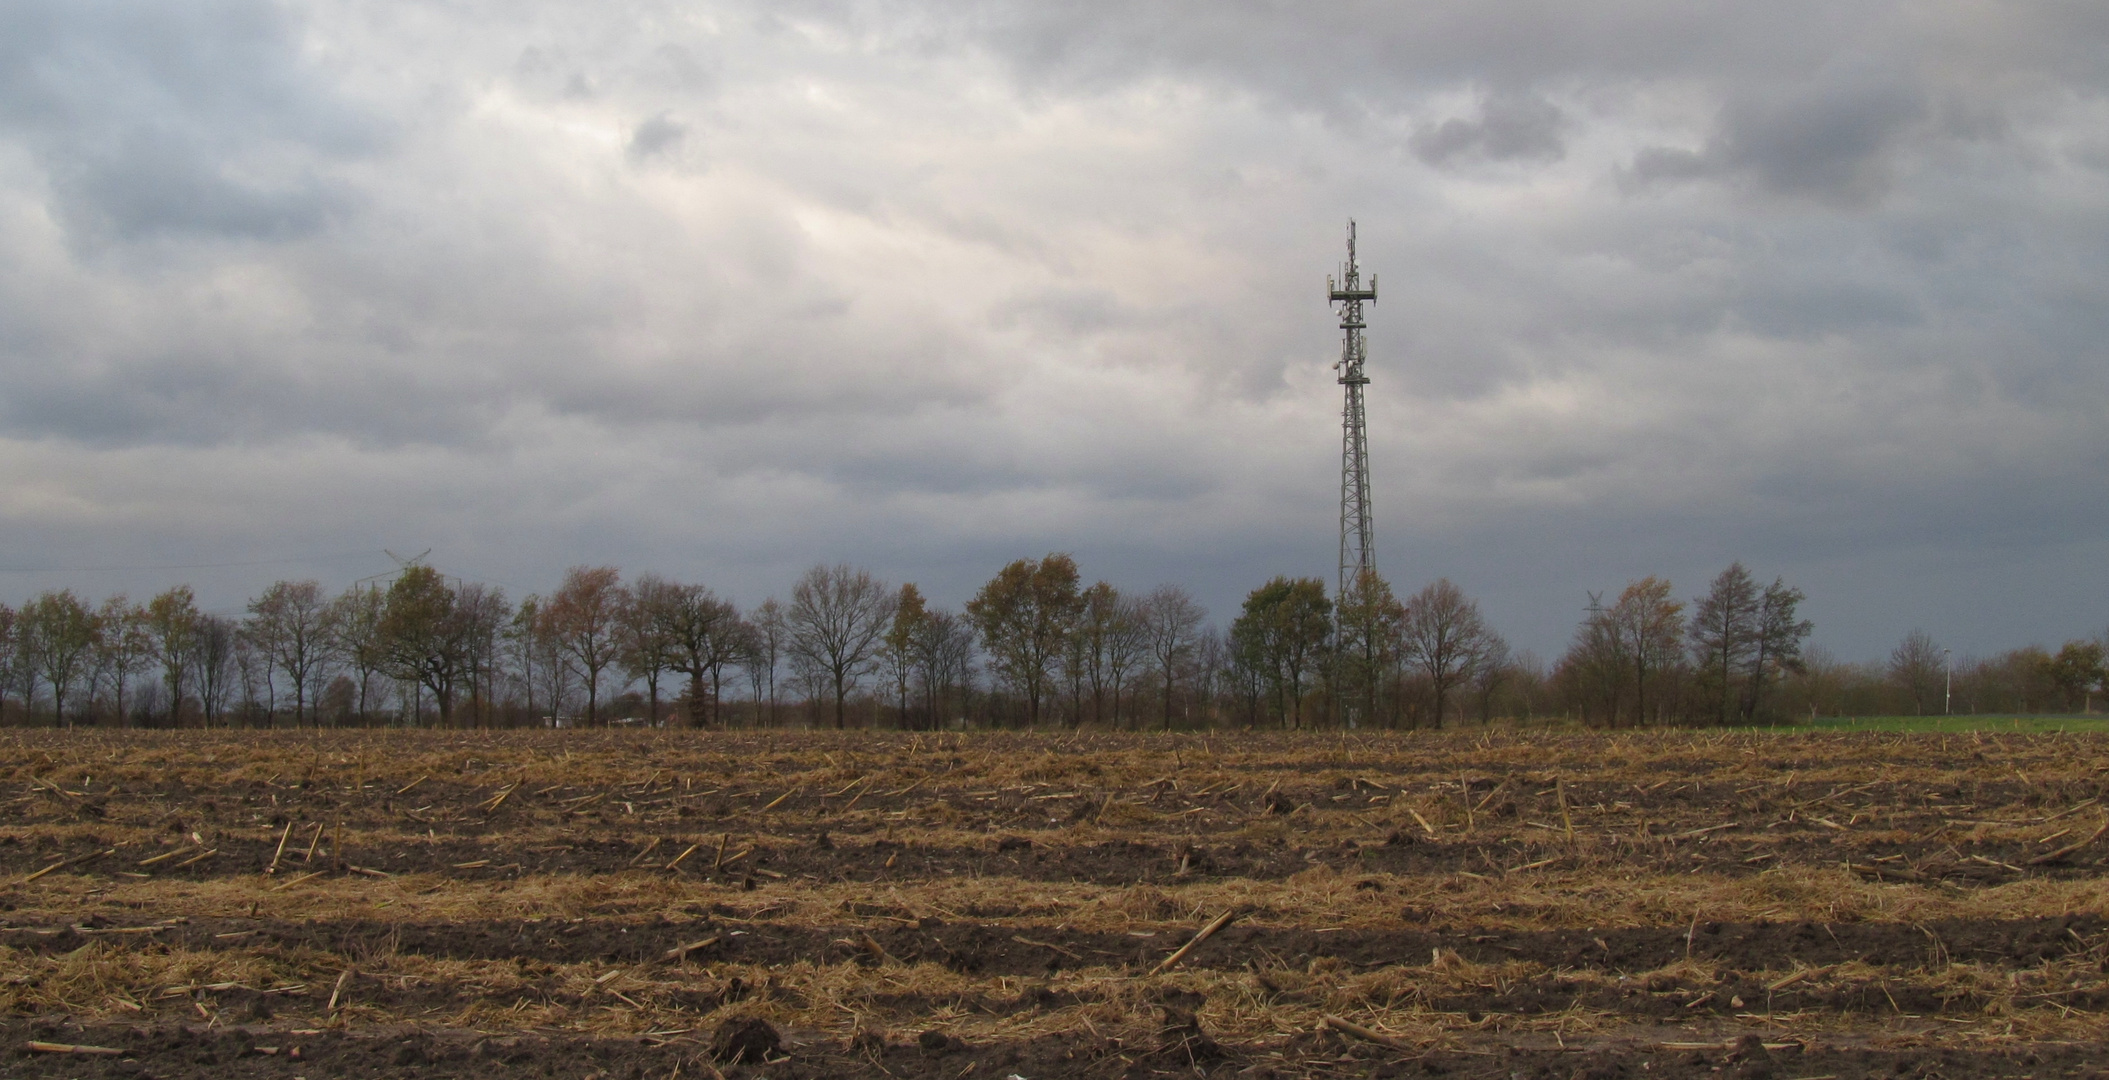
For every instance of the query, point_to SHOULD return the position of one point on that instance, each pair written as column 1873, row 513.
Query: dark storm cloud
column 1833, row 138
column 1830, row 138
column 1511, row 127
column 1345, row 56
column 723, row 289
column 176, row 119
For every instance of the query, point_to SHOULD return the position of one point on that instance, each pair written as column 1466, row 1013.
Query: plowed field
column 1517, row 904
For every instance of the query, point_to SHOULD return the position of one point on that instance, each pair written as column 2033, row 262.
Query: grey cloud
column 149, row 184
column 1342, row 58
column 1066, row 312
column 1833, row 139
column 1351, row 60
column 196, row 118
column 187, row 397
column 1511, row 127
column 968, row 282
column 1671, row 163
column 1802, row 309
column 656, row 136
column 681, row 68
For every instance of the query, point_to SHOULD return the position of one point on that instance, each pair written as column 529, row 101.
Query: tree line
column 1034, row 646
column 1432, row 659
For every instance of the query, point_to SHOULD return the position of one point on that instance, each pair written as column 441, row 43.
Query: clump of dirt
column 1182, row 1042
column 749, row 1040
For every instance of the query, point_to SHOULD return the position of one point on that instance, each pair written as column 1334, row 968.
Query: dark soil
column 194, row 1053
column 1117, row 862
column 986, row 949
column 1910, row 831
column 780, row 813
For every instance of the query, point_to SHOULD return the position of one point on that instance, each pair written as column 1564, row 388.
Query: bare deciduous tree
column 648, row 651
column 539, row 660
column 1595, row 667
column 836, row 618
column 1170, row 619
column 212, row 660
column 355, row 619
column 123, row 648
column 1127, row 650
column 767, row 632
column 1495, row 670
column 1445, row 637
column 1915, row 668
column 291, row 624
column 703, row 634
column 1085, row 652
column 14, row 671
column 944, row 650
column 1210, row 658
column 484, row 615
column 1650, row 628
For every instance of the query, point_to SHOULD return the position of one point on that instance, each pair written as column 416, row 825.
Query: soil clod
column 748, row 1040
column 1181, row 1041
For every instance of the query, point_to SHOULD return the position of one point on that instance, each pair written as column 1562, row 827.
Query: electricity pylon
column 1357, row 545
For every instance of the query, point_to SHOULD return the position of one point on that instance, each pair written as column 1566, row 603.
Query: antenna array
column 1357, row 546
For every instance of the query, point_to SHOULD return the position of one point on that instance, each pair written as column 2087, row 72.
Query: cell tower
column 1357, row 548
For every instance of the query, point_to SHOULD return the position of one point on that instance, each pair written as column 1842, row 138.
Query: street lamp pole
column 1948, row 685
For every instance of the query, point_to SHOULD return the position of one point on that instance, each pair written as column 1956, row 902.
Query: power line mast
column 1357, row 546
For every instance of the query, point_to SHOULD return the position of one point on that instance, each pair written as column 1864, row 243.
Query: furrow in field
column 234, row 1052
column 1022, row 947
column 1985, row 856
column 1493, row 904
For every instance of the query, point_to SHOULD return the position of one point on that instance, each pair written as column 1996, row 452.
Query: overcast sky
column 726, row 289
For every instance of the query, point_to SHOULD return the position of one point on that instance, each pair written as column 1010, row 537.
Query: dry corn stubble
column 1019, row 889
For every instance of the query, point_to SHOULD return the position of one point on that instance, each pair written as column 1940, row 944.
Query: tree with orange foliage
column 584, row 617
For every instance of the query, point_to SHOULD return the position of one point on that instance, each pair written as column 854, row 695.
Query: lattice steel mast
column 1357, row 547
